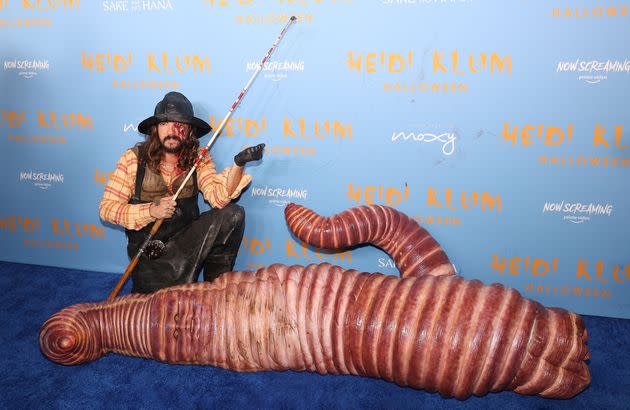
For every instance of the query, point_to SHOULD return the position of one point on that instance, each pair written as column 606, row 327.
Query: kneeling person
column 141, row 190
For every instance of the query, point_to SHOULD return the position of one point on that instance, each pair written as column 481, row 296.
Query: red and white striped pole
column 218, row 131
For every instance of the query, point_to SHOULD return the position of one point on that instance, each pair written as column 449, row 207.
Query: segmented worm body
column 439, row 333
column 414, row 251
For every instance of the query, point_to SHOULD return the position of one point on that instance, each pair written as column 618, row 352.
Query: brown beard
column 155, row 150
column 172, row 150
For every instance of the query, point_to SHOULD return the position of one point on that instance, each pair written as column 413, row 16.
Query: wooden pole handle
column 134, row 261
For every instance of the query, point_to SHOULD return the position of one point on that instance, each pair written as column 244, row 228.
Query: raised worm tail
column 412, row 248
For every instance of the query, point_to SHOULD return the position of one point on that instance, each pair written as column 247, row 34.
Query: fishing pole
column 202, row 154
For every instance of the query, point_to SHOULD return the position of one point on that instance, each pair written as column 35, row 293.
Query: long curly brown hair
column 154, row 150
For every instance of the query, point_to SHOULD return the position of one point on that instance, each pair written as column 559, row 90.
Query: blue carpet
column 32, row 293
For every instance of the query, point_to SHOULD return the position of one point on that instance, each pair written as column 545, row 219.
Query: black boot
column 216, row 265
column 222, row 256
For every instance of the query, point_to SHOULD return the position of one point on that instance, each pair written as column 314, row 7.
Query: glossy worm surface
column 415, row 252
column 440, row 333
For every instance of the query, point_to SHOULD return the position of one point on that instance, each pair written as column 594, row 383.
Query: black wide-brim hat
column 175, row 107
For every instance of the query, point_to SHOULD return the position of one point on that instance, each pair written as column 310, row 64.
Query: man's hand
column 249, row 154
column 163, row 208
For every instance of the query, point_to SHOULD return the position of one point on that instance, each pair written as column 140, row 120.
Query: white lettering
column 128, row 127
column 274, row 66
column 578, row 208
column 41, row 176
column 447, row 139
column 115, row 6
column 607, row 66
column 386, row 263
column 279, row 192
column 552, row 207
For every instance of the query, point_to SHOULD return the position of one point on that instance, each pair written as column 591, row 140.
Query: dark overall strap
column 142, row 166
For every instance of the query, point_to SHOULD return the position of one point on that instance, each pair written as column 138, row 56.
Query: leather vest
column 151, row 186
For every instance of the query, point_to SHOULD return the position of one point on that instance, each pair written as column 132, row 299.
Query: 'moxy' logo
column 130, row 127
column 444, row 139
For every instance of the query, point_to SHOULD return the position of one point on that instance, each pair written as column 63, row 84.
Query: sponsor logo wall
column 510, row 145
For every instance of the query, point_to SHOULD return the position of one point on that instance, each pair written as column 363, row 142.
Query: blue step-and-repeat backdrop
column 500, row 126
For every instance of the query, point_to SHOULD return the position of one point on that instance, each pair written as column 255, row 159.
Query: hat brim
column 201, row 127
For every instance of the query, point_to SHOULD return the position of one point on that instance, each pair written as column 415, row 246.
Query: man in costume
column 142, row 188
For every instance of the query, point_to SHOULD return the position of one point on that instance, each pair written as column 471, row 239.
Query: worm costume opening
column 429, row 329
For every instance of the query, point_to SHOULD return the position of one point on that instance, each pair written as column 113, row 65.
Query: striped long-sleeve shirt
column 114, row 206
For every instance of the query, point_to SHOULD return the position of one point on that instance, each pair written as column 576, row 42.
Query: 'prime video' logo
column 276, row 70
column 593, row 71
column 576, row 212
column 42, row 180
column 279, row 196
column 26, row 68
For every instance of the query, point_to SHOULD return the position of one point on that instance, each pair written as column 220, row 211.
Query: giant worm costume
column 429, row 329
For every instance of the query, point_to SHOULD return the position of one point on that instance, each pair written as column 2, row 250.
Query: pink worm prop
column 430, row 330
